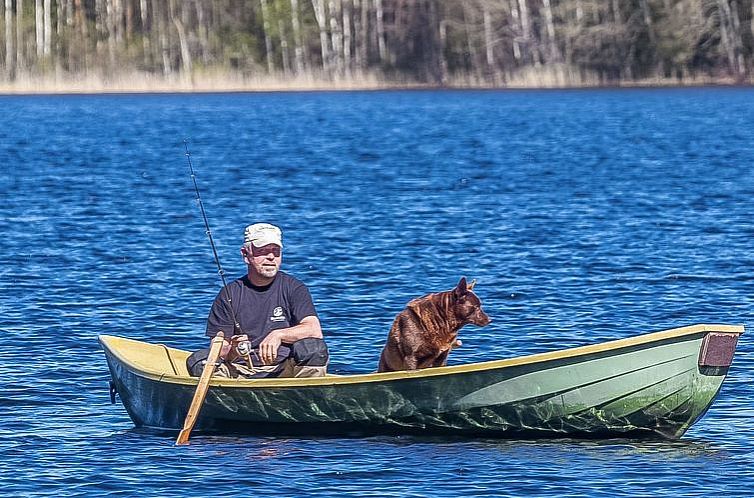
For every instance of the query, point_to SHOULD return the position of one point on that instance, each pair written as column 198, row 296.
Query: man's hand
column 268, row 348
column 229, row 351
column 224, row 351
column 238, row 339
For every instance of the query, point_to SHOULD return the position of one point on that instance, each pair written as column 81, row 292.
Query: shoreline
column 137, row 84
column 355, row 89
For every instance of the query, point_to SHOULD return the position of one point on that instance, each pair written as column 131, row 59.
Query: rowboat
column 647, row 385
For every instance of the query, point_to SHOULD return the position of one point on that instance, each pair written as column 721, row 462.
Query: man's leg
column 261, row 371
column 196, row 361
column 310, row 357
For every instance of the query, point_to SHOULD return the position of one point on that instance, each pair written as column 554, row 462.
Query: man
column 267, row 316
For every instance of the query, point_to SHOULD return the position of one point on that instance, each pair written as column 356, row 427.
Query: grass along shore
column 206, row 82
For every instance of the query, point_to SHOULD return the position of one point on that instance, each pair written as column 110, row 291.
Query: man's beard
column 268, row 271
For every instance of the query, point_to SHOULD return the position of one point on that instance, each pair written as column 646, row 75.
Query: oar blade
column 201, row 390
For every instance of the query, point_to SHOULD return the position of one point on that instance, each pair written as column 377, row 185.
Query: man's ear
column 461, row 288
column 245, row 254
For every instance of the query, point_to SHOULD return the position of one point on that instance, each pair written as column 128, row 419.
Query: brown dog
column 423, row 334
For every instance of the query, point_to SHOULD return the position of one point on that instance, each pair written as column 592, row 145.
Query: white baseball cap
column 261, row 234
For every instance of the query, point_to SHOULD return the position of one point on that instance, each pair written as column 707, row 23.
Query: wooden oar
column 201, row 389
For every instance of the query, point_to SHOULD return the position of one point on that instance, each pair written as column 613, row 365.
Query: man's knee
column 196, row 362
column 311, row 352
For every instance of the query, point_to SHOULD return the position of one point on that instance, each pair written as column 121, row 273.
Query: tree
column 485, row 42
column 9, row 63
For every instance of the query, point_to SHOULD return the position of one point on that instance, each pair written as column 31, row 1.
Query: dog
column 423, row 333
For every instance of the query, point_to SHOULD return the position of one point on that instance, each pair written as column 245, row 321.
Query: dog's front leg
column 410, row 362
column 441, row 360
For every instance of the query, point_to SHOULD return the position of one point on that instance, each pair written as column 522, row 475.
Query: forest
column 374, row 43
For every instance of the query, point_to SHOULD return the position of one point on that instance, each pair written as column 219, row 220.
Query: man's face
column 264, row 260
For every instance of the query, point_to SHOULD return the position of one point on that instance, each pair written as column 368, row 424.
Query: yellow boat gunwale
column 111, row 343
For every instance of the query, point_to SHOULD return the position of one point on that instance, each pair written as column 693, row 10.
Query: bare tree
column 736, row 21
column 267, row 39
column 20, row 60
column 336, row 37
column 68, row 12
column 726, row 35
column 186, row 62
column 523, row 11
column 39, row 27
column 553, row 55
column 9, row 39
column 100, row 20
column 360, row 23
column 297, row 41
column 471, row 46
column 162, row 44
column 516, row 29
column 143, row 15
column 441, row 40
column 730, row 35
column 82, row 31
column 129, row 20
column 489, row 42
column 110, row 25
column 319, row 14
column 381, row 44
column 346, row 13
column 284, row 47
column 647, row 16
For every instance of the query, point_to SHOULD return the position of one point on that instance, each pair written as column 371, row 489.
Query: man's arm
column 308, row 327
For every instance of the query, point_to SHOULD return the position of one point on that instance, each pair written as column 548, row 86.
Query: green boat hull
column 655, row 384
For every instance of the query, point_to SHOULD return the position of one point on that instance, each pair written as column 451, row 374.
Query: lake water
column 584, row 215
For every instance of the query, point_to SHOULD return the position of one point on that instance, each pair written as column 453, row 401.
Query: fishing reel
column 244, row 348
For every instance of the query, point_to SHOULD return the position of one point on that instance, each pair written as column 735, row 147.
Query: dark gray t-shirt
column 259, row 310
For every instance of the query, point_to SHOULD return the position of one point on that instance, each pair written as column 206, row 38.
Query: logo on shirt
column 277, row 315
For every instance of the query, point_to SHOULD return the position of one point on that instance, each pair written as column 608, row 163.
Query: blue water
column 584, row 216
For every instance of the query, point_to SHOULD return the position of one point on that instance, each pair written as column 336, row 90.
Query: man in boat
column 267, row 316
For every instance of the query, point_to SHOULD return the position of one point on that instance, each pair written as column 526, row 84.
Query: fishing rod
column 220, row 271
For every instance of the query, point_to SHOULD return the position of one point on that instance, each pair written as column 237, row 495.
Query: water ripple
column 584, row 216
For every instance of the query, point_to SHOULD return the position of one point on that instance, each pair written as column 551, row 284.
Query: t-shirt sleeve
column 301, row 304
column 220, row 317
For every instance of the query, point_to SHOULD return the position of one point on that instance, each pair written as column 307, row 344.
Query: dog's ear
column 471, row 285
column 461, row 288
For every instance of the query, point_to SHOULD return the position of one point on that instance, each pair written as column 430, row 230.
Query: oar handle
column 201, row 389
